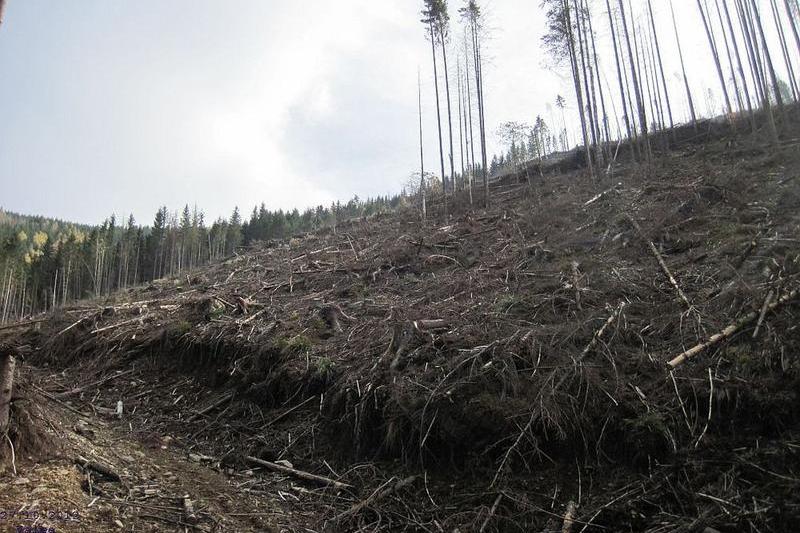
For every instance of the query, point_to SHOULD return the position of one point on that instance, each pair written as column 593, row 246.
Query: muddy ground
column 494, row 370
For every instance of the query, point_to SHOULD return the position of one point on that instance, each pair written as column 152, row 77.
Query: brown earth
column 500, row 362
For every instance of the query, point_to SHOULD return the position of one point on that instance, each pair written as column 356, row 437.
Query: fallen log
column 225, row 397
column 381, row 492
column 97, row 383
column 603, row 328
column 299, row 473
column 660, row 260
column 23, row 324
column 104, row 470
column 730, row 330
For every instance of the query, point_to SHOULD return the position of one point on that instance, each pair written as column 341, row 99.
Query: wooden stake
column 730, row 330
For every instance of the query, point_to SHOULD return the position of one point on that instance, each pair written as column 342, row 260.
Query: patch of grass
column 325, row 367
column 294, row 345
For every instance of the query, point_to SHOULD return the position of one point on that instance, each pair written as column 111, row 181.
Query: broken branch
column 730, row 330
column 338, row 485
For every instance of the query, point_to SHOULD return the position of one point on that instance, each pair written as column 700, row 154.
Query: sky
column 121, row 106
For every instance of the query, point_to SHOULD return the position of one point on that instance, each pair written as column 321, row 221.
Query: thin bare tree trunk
column 750, row 50
column 730, row 57
column 738, row 61
column 421, row 151
column 467, row 177
column 660, row 64
column 469, row 114
column 438, row 114
column 586, row 80
column 773, row 77
column 599, row 85
column 636, row 86
column 577, row 81
column 715, row 55
column 625, row 114
column 792, row 24
column 683, row 67
column 747, row 19
column 460, row 122
column 481, row 115
column 785, row 50
column 449, row 113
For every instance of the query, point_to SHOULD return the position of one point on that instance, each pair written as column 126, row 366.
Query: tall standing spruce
column 560, row 42
column 430, row 15
column 636, row 85
column 7, row 359
column 471, row 14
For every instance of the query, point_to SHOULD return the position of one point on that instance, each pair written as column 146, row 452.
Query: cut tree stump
column 7, row 365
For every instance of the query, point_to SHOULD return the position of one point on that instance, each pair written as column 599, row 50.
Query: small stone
column 21, row 481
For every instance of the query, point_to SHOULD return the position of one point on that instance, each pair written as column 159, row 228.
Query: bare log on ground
column 764, row 308
column 225, row 397
column 104, row 470
column 660, row 260
column 299, row 473
column 599, row 333
column 491, row 512
column 381, row 492
column 730, row 330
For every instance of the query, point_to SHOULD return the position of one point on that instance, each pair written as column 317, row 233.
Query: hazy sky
column 122, row 106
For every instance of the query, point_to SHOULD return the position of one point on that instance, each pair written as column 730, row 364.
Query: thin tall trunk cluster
column 750, row 43
column 469, row 96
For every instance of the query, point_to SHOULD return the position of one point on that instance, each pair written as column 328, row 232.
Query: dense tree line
column 47, row 263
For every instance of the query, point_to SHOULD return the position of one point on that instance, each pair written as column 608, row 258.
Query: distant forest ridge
column 47, row 262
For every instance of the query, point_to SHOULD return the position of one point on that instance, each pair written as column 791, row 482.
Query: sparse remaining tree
column 7, row 359
column 471, row 14
column 423, row 207
column 636, row 83
column 431, row 13
column 560, row 42
column 442, row 26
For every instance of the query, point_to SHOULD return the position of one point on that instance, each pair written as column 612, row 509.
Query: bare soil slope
column 495, row 370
